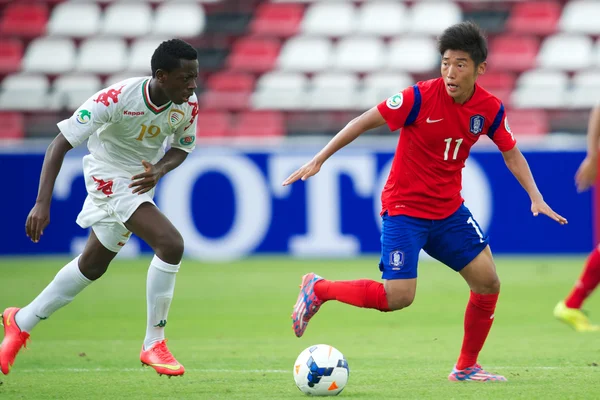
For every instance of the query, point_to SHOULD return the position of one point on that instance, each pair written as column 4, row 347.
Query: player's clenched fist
column 37, row 220
column 145, row 181
column 306, row 171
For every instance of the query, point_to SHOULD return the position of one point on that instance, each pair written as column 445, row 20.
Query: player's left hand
column 145, row 181
column 540, row 207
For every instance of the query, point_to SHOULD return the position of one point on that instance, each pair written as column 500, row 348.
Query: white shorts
column 109, row 203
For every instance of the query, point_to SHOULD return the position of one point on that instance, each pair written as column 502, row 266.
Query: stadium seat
column 13, row 126
column 359, row 54
column 280, row 20
column 213, row 124
column 50, row 55
column 75, row 19
column 413, row 54
column 121, row 76
column 500, row 84
column 11, row 54
column 534, row 17
column 513, row 53
column 257, row 124
column 227, row 91
column 431, row 18
column 333, row 19
column 334, row 91
column 125, row 19
column 387, row 18
column 140, row 53
column 379, row 86
column 71, row 91
column 280, row 91
column 230, row 80
column 585, row 92
column 581, row 16
column 93, row 56
column 24, row 19
column 306, row 54
column 541, row 89
column 190, row 19
column 24, row 92
column 554, row 48
column 254, row 54
column 528, row 122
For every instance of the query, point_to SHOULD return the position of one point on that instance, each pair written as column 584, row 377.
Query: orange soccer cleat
column 160, row 358
column 14, row 339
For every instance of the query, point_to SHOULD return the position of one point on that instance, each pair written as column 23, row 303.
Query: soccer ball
column 321, row 370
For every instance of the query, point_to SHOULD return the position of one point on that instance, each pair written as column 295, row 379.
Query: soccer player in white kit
column 128, row 126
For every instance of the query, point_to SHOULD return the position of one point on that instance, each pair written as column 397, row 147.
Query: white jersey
column 124, row 127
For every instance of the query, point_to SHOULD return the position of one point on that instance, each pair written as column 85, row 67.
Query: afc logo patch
column 476, row 124
column 396, row 259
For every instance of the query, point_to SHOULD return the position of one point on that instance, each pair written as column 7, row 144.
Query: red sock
column 589, row 279
column 478, row 321
column 362, row 293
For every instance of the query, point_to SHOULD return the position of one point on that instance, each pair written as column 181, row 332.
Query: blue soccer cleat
column 307, row 304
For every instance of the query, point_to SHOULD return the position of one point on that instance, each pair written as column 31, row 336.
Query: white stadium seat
column 382, row 18
column 306, row 54
column 413, row 54
column 585, row 92
column 141, row 52
column 553, row 50
column 432, row 17
column 50, row 55
column 359, row 54
column 127, row 19
column 581, row 17
column 333, row 91
column 71, row 91
column 181, row 19
column 379, row 86
column 329, row 19
column 24, row 92
column 74, row 19
column 281, row 91
column 102, row 56
column 121, row 76
column 541, row 89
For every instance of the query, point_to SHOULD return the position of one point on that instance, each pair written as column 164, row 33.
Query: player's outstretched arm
column 588, row 170
column 145, row 181
column 359, row 125
column 517, row 164
column 39, row 216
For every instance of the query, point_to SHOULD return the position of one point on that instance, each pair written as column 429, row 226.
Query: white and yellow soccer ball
column 321, row 370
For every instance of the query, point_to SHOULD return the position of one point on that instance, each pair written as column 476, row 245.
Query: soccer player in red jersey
column 422, row 207
column 569, row 310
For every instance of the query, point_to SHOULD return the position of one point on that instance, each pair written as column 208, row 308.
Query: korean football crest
column 176, row 117
column 396, row 259
column 476, row 124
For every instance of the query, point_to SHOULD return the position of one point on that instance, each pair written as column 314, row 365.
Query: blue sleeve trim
column 416, row 108
column 497, row 122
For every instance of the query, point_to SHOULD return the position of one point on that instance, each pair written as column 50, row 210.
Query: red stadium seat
column 513, row 53
column 11, row 53
column 534, row 17
column 13, row 126
column 225, row 100
column 500, row 84
column 528, row 122
column 276, row 19
column 259, row 124
column 230, row 81
column 254, row 54
column 26, row 20
column 213, row 124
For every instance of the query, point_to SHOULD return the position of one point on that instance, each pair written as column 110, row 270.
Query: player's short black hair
column 467, row 37
column 168, row 55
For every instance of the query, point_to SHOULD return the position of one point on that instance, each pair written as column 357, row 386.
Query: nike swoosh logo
column 167, row 366
column 432, row 121
column 8, row 317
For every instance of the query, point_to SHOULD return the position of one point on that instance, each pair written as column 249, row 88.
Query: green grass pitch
column 230, row 326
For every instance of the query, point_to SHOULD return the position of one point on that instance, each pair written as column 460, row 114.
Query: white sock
column 67, row 284
column 159, row 293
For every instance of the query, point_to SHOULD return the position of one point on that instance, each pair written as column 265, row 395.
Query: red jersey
column 437, row 134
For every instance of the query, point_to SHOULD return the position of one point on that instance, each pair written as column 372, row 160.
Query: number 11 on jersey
column 448, row 143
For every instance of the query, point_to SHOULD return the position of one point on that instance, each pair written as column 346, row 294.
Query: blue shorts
column 455, row 241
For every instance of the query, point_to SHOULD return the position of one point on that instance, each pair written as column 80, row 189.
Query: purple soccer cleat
column 474, row 373
column 307, row 304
